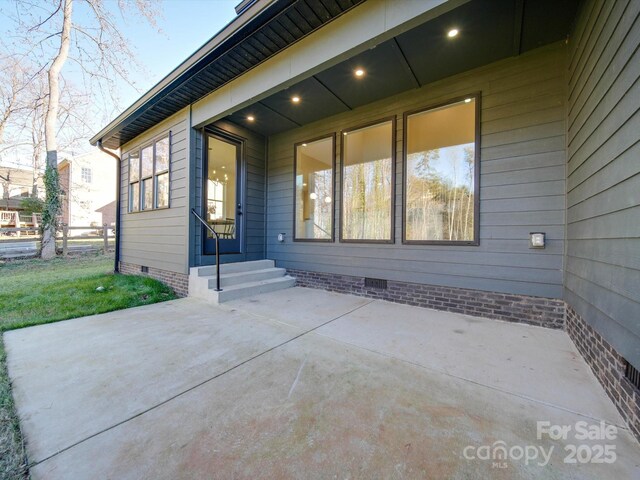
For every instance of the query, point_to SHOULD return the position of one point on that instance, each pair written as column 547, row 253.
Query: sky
column 182, row 27
column 187, row 25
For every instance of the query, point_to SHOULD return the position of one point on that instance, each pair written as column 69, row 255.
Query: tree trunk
column 52, row 202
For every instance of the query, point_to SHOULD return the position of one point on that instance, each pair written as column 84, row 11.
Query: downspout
column 116, row 268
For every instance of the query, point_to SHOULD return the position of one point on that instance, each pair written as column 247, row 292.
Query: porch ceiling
column 490, row 30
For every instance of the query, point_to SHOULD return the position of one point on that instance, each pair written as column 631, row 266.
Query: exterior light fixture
column 313, row 196
column 467, row 100
column 281, row 237
column 453, row 33
column 251, row 118
column 327, row 199
column 537, row 240
column 295, row 99
column 359, row 73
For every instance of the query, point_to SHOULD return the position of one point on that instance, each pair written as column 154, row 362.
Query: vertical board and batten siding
column 602, row 279
column 157, row 238
column 522, row 185
column 254, row 153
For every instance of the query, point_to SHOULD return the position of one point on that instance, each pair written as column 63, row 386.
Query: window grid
column 149, row 176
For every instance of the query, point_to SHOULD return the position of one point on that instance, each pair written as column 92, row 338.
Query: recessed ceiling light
column 251, row 118
column 453, row 33
column 304, row 144
column 295, row 99
column 304, row 184
column 223, row 166
column 359, row 72
column 345, row 133
column 313, row 196
column 467, row 100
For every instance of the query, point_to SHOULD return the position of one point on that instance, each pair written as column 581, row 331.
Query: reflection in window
column 162, row 190
column 367, row 183
column 440, row 178
column 314, row 190
column 147, row 194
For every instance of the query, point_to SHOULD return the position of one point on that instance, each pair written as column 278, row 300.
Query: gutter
column 116, row 268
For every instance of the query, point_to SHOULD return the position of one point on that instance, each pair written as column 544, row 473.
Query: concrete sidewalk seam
column 194, row 387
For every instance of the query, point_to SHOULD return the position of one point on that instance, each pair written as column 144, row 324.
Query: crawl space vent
column 633, row 375
column 144, row 269
column 375, row 283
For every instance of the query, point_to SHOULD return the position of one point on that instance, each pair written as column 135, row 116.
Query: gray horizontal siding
column 253, row 247
column 522, row 186
column 603, row 183
column 157, row 238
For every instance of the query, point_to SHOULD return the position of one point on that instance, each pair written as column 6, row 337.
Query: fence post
column 18, row 223
column 105, row 235
column 65, row 234
column 34, row 220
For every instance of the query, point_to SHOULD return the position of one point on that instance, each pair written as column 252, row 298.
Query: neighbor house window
column 149, row 176
column 441, row 178
column 85, row 174
column 314, row 189
column 367, row 183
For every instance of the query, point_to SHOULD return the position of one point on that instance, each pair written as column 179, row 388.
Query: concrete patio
column 303, row 384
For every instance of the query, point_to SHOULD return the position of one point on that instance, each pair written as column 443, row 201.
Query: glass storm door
column 223, row 199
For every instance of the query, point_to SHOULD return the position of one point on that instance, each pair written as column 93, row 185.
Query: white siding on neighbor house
column 603, row 185
column 158, row 238
column 522, row 185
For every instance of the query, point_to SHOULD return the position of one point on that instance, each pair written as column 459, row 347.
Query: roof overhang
column 261, row 30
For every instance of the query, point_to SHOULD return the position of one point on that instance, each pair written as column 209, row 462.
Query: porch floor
column 302, row 383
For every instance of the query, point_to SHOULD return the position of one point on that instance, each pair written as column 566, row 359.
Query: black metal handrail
column 217, row 237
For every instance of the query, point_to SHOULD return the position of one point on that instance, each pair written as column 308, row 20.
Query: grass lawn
column 33, row 292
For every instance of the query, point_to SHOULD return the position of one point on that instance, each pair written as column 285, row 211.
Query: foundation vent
column 144, row 269
column 633, row 375
column 378, row 283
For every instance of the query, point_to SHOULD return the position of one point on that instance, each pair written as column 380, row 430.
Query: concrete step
column 250, row 289
column 236, row 267
column 230, row 279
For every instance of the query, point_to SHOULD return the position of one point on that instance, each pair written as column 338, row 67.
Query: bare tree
column 54, row 36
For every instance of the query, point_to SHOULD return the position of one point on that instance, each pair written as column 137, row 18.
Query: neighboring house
column 88, row 183
column 17, row 184
column 407, row 151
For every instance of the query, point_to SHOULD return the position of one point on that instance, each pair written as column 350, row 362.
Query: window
column 149, row 176
column 85, row 174
column 367, row 183
column 314, row 167
column 162, row 173
column 441, row 176
column 134, row 181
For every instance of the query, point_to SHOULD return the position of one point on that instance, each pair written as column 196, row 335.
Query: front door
column 223, row 194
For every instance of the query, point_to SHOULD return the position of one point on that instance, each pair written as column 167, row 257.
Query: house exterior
column 473, row 156
column 17, row 184
column 88, row 182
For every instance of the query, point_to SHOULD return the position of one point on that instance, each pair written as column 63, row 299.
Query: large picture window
column 314, row 173
column 441, row 174
column 149, row 176
column 367, row 182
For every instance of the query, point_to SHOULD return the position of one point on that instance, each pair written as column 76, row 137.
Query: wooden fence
column 99, row 235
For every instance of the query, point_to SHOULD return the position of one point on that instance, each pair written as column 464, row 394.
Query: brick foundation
column 608, row 367
column 179, row 282
column 544, row 312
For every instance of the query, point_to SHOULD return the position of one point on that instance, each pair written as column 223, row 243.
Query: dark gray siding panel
column 522, row 185
column 603, row 182
column 254, row 148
